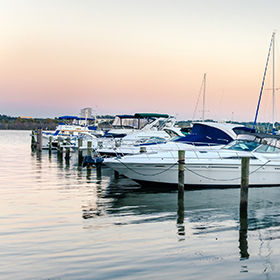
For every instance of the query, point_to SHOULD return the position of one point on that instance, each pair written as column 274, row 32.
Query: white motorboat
column 140, row 128
column 69, row 132
column 208, row 134
column 207, row 168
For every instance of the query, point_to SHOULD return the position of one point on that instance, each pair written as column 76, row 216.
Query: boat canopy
column 75, row 118
column 126, row 116
column 128, row 122
column 151, row 115
column 68, row 117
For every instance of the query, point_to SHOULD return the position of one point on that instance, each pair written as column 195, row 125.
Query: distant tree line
column 22, row 123
column 18, row 123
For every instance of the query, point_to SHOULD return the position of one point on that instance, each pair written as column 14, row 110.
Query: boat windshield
column 249, row 146
column 129, row 122
column 242, row 145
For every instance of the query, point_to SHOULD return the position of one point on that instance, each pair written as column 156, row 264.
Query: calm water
column 60, row 221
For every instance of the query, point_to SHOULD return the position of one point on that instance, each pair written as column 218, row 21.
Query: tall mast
column 273, row 81
column 203, row 109
column 264, row 75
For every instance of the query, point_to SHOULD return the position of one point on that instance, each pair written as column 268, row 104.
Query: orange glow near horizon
column 123, row 63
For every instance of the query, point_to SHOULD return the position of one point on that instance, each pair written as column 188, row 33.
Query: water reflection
column 243, row 221
column 88, row 174
column 243, row 243
column 39, row 155
column 181, row 215
column 67, row 162
column 266, row 257
column 98, row 175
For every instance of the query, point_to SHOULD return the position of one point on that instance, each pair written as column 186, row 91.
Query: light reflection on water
column 61, row 221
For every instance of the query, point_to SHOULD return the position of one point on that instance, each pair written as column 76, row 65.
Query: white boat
column 69, row 132
column 209, row 134
column 135, row 129
column 207, row 168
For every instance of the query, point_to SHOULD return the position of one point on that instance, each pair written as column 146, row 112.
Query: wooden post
column 89, row 150
column 245, row 162
column 181, row 178
column 50, row 144
column 80, row 151
column 33, row 140
column 67, row 153
column 59, row 149
column 67, row 149
column 243, row 244
column 89, row 153
column 181, row 169
column 39, row 139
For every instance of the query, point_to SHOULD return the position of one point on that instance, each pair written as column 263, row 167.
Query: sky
column 126, row 57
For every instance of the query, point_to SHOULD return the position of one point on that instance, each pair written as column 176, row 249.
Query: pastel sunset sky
column 128, row 56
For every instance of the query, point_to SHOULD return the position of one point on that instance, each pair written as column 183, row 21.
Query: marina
column 62, row 221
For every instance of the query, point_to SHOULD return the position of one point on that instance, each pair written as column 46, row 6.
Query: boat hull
column 199, row 175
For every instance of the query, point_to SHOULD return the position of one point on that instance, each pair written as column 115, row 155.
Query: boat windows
column 241, row 130
column 267, row 149
column 131, row 122
column 249, row 146
column 241, row 145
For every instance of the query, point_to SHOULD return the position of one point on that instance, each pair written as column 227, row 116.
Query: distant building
column 86, row 113
column 23, row 117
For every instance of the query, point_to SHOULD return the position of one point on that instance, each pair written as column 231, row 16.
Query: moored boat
column 208, row 134
column 208, row 168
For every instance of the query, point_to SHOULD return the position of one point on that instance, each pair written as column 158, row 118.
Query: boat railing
column 198, row 155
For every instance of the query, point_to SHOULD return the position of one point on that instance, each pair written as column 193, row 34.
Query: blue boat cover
column 203, row 134
column 75, row 118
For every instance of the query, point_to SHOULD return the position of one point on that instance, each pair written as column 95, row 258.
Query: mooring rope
column 142, row 174
column 225, row 180
column 200, row 175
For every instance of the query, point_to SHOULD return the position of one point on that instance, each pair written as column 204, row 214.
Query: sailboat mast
column 273, row 81
column 203, row 109
column 264, row 75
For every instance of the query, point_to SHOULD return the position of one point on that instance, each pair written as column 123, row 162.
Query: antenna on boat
column 258, row 106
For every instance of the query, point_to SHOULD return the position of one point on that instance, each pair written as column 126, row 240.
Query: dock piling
column 59, row 149
column 39, row 139
column 80, row 151
column 33, row 140
column 67, row 153
column 116, row 174
column 244, row 186
column 181, row 169
column 50, row 144
column 89, row 150
column 243, row 243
